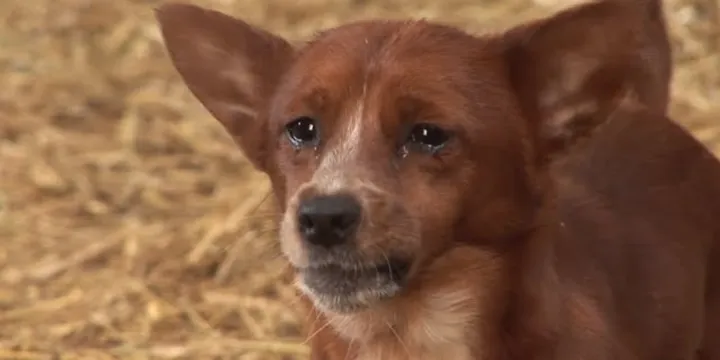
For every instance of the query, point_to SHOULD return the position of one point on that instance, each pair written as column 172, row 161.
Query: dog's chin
column 342, row 290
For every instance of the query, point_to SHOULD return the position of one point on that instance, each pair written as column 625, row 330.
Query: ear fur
column 571, row 70
column 231, row 67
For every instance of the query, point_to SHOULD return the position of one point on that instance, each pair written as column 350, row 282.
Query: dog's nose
column 328, row 220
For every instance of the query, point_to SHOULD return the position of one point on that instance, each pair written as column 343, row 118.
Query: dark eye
column 302, row 131
column 427, row 137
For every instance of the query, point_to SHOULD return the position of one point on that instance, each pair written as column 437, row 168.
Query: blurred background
column 132, row 228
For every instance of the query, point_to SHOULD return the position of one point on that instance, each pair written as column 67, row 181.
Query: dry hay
column 130, row 227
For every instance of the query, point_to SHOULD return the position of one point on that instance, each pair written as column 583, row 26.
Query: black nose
column 328, row 220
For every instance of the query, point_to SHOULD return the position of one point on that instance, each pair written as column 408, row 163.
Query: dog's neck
column 438, row 319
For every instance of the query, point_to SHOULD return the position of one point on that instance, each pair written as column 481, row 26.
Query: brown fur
column 567, row 217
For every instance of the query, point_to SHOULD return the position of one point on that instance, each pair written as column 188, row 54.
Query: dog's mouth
column 344, row 289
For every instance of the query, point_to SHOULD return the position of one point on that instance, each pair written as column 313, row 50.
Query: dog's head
column 388, row 143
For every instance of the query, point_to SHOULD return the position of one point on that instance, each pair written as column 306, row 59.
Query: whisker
column 260, row 216
column 316, row 332
column 387, row 261
column 349, row 349
column 397, row 336
column 312, row 324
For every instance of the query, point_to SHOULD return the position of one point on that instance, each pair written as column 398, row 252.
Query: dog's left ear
column 570, row 70
column 230, row 66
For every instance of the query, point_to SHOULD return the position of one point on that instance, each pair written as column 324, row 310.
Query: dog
column 517, row 195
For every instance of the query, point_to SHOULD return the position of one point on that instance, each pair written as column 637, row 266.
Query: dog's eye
column 302, row 131
column 428, row 137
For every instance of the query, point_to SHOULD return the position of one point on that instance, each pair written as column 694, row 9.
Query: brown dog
column 448, row 196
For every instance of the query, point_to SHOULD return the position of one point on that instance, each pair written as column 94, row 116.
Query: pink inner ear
column 230, row 66
column 570, row 70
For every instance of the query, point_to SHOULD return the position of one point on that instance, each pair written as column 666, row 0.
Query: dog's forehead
column 372, row 37
column 351, row 53
column 390, row 59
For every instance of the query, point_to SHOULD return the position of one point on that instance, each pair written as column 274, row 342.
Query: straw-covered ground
column 130, row 227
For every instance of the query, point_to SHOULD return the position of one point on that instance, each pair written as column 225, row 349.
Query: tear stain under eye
column 403, row 152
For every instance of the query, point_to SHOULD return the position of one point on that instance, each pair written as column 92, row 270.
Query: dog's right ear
column 572, row 69
column 230, row 66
